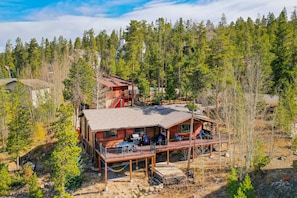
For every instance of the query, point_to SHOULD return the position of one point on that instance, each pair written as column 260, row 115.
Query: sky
column 39, row 19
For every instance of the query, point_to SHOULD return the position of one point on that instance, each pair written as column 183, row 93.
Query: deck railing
column 128, row 151
column 123, row 152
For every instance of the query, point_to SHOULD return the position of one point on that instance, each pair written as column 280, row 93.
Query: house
column 36, row 88
column 117, row 94
column 103, row 130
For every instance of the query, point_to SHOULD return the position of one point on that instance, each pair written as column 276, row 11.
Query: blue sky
column 39, row 19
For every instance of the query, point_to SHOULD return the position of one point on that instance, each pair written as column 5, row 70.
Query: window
column 110, row 134
column 140, row 131
column 184, row 128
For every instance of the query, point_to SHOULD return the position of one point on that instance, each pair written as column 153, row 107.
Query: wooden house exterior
column 118, row 94
column 102, row 130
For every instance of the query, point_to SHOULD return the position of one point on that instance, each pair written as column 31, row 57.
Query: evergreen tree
column 5, row 180
column 34, row 189
column 233, row 185
column 20, row 123
column 79, row 85
column 64, row 159
column 284, row 72
column 170, row 84
column 4, row 97
column 246, row 187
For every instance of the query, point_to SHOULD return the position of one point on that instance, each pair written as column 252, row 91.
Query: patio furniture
column 135, row 138
column 125, row 147
column 177, row 137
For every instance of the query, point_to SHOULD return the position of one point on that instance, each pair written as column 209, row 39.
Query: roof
column 6, row 81
column 135, row 117
column 35, row 83
column 113, row 81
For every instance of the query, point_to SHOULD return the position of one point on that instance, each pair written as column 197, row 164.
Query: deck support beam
column 130, row 170
column 146, row 168
column 105, row 174
column 153, row 166
column 168, row 160
column 99, row 164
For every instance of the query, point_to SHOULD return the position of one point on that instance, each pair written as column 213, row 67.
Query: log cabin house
column 102, row 130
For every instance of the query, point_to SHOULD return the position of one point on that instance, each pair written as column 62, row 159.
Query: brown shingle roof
column 120, row 118
column 35, row 83
column 6, row 81
column 113, row 81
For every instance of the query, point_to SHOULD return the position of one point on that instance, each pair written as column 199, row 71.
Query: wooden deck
column 111, row 155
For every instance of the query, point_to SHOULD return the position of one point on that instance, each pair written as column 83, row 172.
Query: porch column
column 130, row 170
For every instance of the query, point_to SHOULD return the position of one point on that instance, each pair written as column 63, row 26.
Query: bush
column 232, row 183
column 73, row 182
column 34, row 189
column 294, row 143
column 5, row 180
column 17, row 180
column 260, row 159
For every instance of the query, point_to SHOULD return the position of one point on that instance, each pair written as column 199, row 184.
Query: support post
column 168, row 160
column 153, row 166
column 99, row 164
column 130, row 170
column 210, row 149
column 146, row 168
column 105, row 175
column 193, row 153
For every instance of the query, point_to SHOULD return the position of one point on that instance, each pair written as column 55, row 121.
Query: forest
column 228, row 66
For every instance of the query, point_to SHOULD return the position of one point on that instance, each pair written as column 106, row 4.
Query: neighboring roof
column 35, row 83
column 135, row 117
column 6, row 81
column 113, row 81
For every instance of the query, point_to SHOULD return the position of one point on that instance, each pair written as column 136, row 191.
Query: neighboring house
column 37, row 88
column 117, row 94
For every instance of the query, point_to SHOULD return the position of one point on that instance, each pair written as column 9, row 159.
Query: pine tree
column 233, row 185
column 79, row 85
column 34, row 189
column 64, row 158
column 5, row 180
column 20, row 124
column 247, row 187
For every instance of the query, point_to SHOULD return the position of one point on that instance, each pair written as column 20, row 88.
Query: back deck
column 111, row 155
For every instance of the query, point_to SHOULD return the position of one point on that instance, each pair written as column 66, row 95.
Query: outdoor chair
column 177, row 137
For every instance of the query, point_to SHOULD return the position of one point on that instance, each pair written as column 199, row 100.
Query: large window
column 184, row 128
column 140, row 131
column 110, row 134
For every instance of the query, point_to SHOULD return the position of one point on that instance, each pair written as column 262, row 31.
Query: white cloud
column 73, row 26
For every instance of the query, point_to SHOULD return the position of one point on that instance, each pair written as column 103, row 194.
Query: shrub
column 232, row 183
column 5, row 180
column 260, row 159
column 34, row 189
